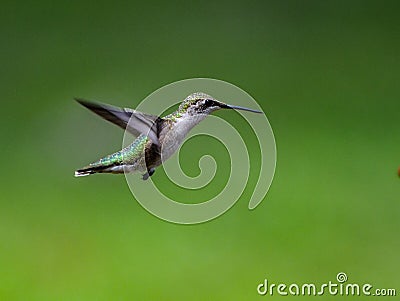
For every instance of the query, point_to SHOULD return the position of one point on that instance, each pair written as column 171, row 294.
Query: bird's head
column 201, row 103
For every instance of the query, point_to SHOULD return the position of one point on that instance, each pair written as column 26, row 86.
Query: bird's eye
column 208, row 102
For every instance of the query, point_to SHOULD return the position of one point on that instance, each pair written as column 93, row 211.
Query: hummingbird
column 157, row 137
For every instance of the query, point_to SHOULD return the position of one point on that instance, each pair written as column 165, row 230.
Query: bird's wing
column 133, row 121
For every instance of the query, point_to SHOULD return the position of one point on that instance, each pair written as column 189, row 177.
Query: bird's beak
column 225, row 106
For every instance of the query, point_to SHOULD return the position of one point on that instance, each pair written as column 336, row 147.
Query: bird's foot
column 149, row 173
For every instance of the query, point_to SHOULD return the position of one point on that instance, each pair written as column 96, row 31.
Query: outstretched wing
column 133, row 121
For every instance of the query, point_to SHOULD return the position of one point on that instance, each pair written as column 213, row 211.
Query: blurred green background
column 327, row 75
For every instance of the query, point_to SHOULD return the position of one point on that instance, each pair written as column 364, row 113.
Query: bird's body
column 157, row 138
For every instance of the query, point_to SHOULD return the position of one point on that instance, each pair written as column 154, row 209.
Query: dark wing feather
column 133, row 121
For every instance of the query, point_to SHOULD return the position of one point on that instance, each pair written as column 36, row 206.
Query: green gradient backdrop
column 326, row 73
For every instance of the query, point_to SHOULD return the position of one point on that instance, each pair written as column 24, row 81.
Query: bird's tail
column 110, row 164
column 84, row 172
column 92, row 169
